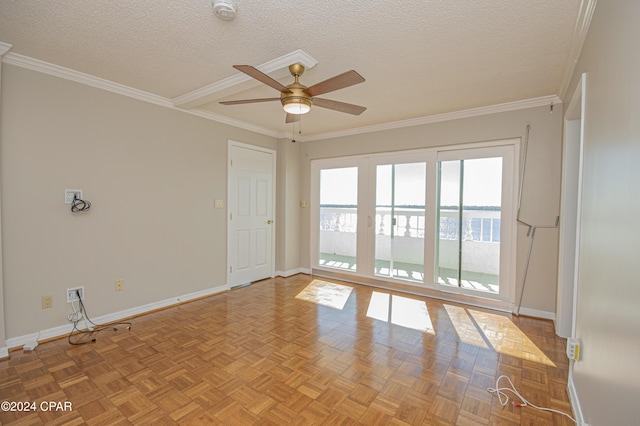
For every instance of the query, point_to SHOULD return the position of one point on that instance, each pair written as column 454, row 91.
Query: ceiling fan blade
column 339, row 106
column 292, row 118
column 261, row 77
column 249, row 101
column 341, row 81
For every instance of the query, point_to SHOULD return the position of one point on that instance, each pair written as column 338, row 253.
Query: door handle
column 269, row 222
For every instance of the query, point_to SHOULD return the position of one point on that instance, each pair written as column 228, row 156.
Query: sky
column 482, row 183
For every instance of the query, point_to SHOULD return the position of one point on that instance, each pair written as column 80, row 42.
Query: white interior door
column 250, row 214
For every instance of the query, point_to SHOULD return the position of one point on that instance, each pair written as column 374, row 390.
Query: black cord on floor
column 88, row 335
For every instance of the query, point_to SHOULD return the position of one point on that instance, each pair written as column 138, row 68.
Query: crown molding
column 80, row 77
column 110, row 86
column 216, row 90
column 4, row 48
column 230, row 121
column 580, row 30
column 456, row 115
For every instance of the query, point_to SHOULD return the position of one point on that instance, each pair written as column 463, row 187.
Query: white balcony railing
column 478, row 225
column 480, row 238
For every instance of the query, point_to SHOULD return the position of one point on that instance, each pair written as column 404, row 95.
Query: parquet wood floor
column 259, row 355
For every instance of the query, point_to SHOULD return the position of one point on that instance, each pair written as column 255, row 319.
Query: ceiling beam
column 277, row 68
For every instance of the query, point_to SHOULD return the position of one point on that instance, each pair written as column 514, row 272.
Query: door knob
column 269, row 222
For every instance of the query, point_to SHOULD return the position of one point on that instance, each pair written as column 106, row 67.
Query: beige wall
column 607, row 378
column 3, row 348
column 540, row 201
column 151, row 174
column 288, row 199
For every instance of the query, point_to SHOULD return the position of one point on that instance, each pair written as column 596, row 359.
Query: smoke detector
column 224, row 9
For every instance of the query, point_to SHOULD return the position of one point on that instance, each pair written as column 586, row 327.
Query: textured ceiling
column 419, row 57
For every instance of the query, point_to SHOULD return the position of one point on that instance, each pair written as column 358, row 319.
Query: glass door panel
column 338, row 235
column 481, row 209
column 469, row 209
column 399, row 221
column 448, row 252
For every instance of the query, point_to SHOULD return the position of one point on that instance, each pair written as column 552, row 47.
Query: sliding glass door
column 471, row 206
column 338, row 225
column 399, row 224
column 439, row 218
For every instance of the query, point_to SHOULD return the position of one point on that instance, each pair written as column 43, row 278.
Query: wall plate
column 70, row 193
column 72, row 296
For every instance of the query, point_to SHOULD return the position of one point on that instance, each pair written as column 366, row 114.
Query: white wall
column 540, row 203
column 151, row 174
column 607, row 378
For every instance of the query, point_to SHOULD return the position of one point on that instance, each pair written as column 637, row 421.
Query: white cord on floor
column 504, row 398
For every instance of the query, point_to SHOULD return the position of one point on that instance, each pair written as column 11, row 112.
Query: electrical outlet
column 573, row 348
column 72, row 294
column 119, row 285
column 47, row 301
column 69, row 195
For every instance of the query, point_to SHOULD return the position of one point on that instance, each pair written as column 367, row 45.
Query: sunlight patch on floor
column 326, row 294
column 465, row 328
column 495, row 332
column 507, row 338
column 379, row 306
column 402, row 311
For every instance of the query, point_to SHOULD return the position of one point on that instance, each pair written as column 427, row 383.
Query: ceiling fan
column 296, row 98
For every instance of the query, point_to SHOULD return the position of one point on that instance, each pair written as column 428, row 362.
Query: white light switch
column 218, row 204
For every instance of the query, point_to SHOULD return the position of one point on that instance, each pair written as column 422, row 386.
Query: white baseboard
column 32, row 343
column 54, row 332
column 4, row 352
column 537, row 314
column 27, row 339
column 575, row 402
column 292, row 272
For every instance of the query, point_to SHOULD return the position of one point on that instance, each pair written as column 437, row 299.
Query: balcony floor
column 415, row 273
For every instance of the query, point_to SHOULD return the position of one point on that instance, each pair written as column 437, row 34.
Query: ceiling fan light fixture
column 296, row 105
column 296, row 98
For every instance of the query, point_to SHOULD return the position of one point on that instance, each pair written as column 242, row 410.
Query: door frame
column 231, row 144
column 570, row 211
